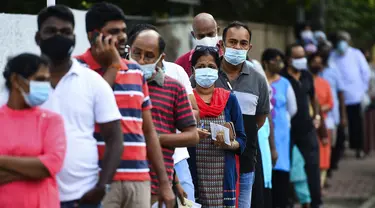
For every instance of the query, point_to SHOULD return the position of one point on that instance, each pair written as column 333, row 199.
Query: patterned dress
column 210, row 162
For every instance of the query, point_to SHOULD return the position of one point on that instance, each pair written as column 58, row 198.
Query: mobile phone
column 95, row 35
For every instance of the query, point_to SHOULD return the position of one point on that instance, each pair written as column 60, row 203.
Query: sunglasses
column 206, row 48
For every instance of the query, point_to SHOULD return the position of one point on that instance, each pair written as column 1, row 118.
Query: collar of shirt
column 93, row 64
column 159, row 78
column 74, row 68
column 244, row 70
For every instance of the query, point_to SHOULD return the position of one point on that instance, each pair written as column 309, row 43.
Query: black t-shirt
column 305, row 93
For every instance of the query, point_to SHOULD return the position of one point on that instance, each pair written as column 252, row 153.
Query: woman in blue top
column 215, row 160
column 284, row 107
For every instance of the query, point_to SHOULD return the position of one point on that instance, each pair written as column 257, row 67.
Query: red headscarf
column 218, row 102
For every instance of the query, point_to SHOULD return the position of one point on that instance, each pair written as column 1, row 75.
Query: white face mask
column 299, row 64
column 207, row 41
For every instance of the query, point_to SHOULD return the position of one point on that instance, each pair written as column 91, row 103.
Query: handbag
column 232, row 130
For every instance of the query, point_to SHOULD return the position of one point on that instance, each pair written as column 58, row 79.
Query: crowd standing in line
column 119, row 127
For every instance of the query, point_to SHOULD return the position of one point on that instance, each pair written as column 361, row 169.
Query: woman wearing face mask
column 284, row 107
column 325, row 99
column 215, row 160
column 33, row 140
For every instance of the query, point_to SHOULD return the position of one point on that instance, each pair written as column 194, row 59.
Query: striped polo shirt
column 171, row 110
column 132, row 97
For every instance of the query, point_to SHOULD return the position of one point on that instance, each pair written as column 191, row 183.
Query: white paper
column 189, row 204
column 215, row 128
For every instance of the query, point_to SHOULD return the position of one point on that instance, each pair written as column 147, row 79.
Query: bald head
column 204, row 25
column 146, row 46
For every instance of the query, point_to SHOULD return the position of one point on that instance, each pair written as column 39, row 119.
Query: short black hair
column 313, row 56
column 25, row 65
column 236, row 24
column 289, row 48
column 137, row 29
column 60, row 11
column 199, row 53
column 101, row 13
column 271, row 53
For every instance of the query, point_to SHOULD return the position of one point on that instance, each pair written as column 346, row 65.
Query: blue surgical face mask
column 206, row 77
column 235, row 56
column 147, row 69
column 39, row 93
column 342, row 46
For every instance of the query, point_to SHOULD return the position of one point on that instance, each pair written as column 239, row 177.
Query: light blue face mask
column 147, row 69
column 235, row 56
column 206, row 77
column 342, row 46
column 39, row 93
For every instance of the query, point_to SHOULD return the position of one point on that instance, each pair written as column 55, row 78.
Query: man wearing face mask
column 181, row 155
column 83, row 98
column 171, row 107
column 236, row 74
column 205, row 32
column 356, row 75
column 303, row 132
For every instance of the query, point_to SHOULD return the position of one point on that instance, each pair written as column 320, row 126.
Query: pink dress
column 32, row 133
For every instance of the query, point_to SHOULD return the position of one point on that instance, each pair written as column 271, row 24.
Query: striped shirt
column 171, row 110
column 132, row 97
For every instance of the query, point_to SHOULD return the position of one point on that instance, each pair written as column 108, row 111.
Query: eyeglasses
column 206, row 48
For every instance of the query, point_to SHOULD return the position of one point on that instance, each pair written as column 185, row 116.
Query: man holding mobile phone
column 106, row 28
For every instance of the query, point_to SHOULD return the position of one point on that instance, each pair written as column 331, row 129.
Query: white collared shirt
column 82, row 97
column 178, row 73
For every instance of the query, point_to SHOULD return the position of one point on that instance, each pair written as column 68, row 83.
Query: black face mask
column 315, row 69
column 57, row 48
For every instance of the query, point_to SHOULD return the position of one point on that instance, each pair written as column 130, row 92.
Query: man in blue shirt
column 355, row 72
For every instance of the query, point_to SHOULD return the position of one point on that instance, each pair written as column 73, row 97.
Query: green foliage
column 355, row 16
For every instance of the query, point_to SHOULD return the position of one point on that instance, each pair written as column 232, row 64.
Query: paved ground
column 352, row 184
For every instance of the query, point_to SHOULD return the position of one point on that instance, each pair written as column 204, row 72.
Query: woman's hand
column 220, row 141
column 203, row 133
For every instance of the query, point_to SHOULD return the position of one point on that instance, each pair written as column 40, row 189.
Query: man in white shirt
column 83, row 99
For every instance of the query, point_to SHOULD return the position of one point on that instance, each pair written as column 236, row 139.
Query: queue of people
column 120, row 127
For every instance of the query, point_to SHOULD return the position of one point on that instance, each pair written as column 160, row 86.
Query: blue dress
column 264, row 145
column 281, row 122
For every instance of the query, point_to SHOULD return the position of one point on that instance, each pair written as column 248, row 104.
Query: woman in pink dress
column 33, row 140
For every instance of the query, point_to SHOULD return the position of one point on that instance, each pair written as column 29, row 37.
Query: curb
column 370, row 203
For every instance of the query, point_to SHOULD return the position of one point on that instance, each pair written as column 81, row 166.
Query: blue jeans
column 74, row 204
column 246, row 187
column 186, row 181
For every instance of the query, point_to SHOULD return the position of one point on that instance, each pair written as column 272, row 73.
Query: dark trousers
column 338, row 149
column 308, row 145
column 355, row 124
column 280, row 191
column 75, row 204
column 258, row 197
column 268, row 198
